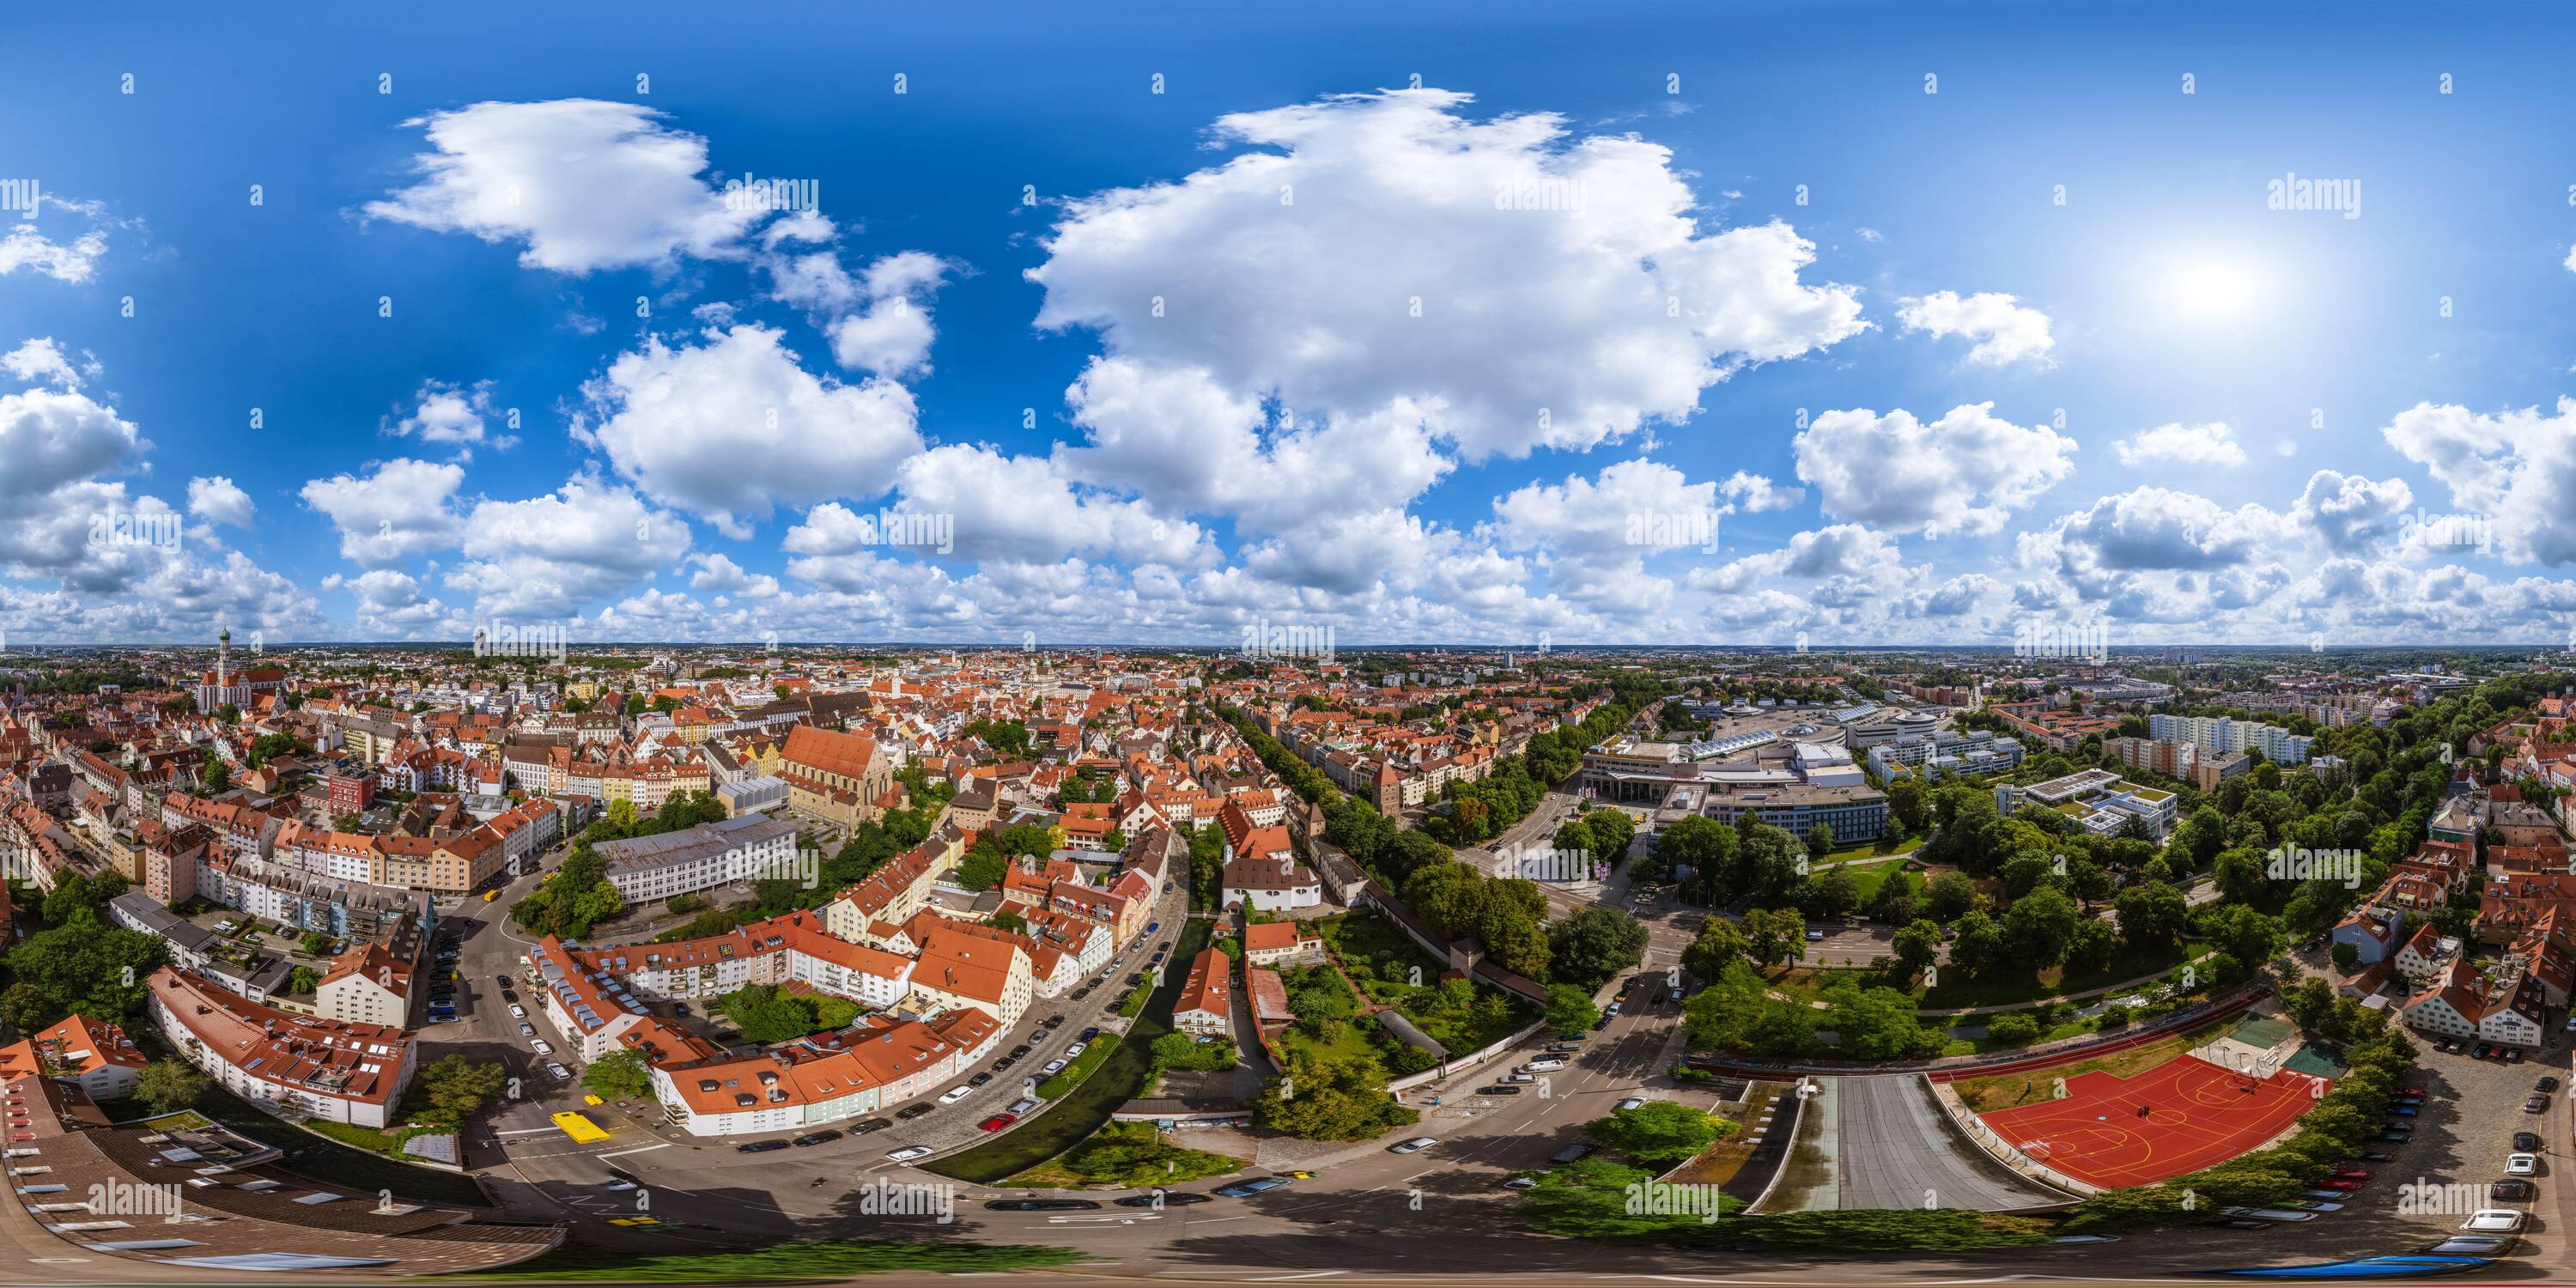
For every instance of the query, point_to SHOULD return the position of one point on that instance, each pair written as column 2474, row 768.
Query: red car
column 2416, row 1092
column 2339, row 1185
column 997, row 1122
column 2350, row 1174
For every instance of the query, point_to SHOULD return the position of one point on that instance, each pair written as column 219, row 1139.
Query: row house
column 286, row 1064
column 2458, row 1003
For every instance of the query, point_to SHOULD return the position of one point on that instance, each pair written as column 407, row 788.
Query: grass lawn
column 1072, row 1075
column 2005, row 1090
column 184, row 1120
column 1124, row 1155
column 833, row 1259
column 1136, row 1000
column 1868, row 877
column 366, row 1138
column 1868, row 850
column 1346, row 1041
column 1391, row 957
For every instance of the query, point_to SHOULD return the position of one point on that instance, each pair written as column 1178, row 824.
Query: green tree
column 1570, row 1009
column 458, row 1087
column 24, row 1008
column 1593, row 945
column 1612, row 832
column 1917, row 946
column 2240, row 875
column 1775, row 936
column 1329, row 1100
column 1719, row 944
column 1659, row 1132
column 1978, row 945
column 2040, row 925
column 984, row 868
column 99, row 971
column 1950, row 896
column 2091, row 948
column 1820, row 841
column 1701, row 851
column 303, row 979
column 619, row 1075
column 166, row 1086
column 2016, row 1029
column 2152, row 915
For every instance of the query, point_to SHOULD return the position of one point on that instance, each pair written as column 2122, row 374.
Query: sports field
column 2178, row 1117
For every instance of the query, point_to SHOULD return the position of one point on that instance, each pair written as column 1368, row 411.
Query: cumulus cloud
column 2213, row 445
column 1755, row 494
column 878, row 321
column 584, row 184
column 401, row 509
column 2151, row 528
column 76, row 260
column 551, row 556
column 42, row 361
column 215, row 499
column 2347, row 513
column 448, row 413
column 1016, row 509
column 1598, row 532
column 2512, row 474
column 1385, row 255
column 731, row 428
column 1845, row 550
column 1963, row 474
column 2005, row 331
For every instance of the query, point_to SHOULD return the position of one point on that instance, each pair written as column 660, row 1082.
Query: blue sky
column 1479, row 357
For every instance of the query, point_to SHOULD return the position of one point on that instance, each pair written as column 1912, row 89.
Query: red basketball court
column 2197, row 1114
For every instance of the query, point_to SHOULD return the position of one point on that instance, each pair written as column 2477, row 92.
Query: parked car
column 1052, row 1021
column 2473, row 1245
column 2378, row 1158
column 2512, row 1187
column 1094, row 1031
column 2513, row 1055
column 527, row 1030
column 1542, row 1065
column 759, row 1146
column 1053, row 1067
column 1042, row 1205
column 1262, row 1185
column 1499, row 1090
column 2535, row 1104
column 997, row 1122
column 1076, row 1049
column 866, row 1125
column 2342, row 1185
column 1632, row 1102
column 2527, row 1141
column 910, row 1112
column 979, row 1080
column 1020, row 1050
column 1005, row 1062
column 2521, row 1164
column 542, row 1047
column 1413, row 1146
column 2398, row 1109
column 2349, row 1174
column 2269, row 1214
column 2494, row 1221
column 1574, row 1153
column 955, row 1094
column 561, row 1073
column 1520, row 1077
column 911, row 1152
column 518, row 1012
column 815, row 1138
column 2392, row 1137
column 1024, row 1104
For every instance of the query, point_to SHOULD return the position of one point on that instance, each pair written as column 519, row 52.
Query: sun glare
column 2214, row 289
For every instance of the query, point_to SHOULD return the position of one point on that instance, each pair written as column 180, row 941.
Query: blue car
column 2401, row 1267
column 1247, row 1188
column 2402, row 1111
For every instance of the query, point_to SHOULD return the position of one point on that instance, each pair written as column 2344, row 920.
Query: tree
column 1720, row 943
column 99, row 971
column 2201, row 836
column 2346, row 954
column 619, row 1075
column 1905, row 799
column 2092, row 947
column 24, row 1008
column 167, row 1086
column 1917, row 946
column 2248, row 936
column 2151, row 915
column 2040, row 925
column 984, row 868
column 1820, row 841
column 1593, row 945
column 1978, row 946
column 1661, row 1132
column 767, row 1013
column 1570, row 1009
column 303, row 979
column 1701, row 851
column 458, row 1087
column 1612, row 832
column 1775, row 936
column 2240, row 875
column 1329, row 1100
column 1878, row 1024
column 2016, row 1029
column 1950, row 896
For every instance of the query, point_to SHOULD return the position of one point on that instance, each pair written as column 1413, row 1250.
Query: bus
column 582, row 1130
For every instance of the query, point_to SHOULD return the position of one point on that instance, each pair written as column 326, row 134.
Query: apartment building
column 284, row 1063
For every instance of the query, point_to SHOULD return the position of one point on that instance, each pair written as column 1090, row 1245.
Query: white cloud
column 1962, row 474
column 2153, row 528
column 733, row 428
column 26, row 246
column 1599, row 532
column 2348, row 513
column 1016, row 509
column 216, row 499
column 552, row 556
column 2512, row 475
column 2005, row 331
column 447, row 413
column 1845, row 550
column 41, row 361
column 879, row 321
column 586, row 184
column 400, row 510
column 1375, row 257
column 2213, row 444
column 1755, row 494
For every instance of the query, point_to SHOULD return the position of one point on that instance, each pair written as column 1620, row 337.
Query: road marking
column 1311, row 1274
column 640, row 1149
column 523, row 1131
